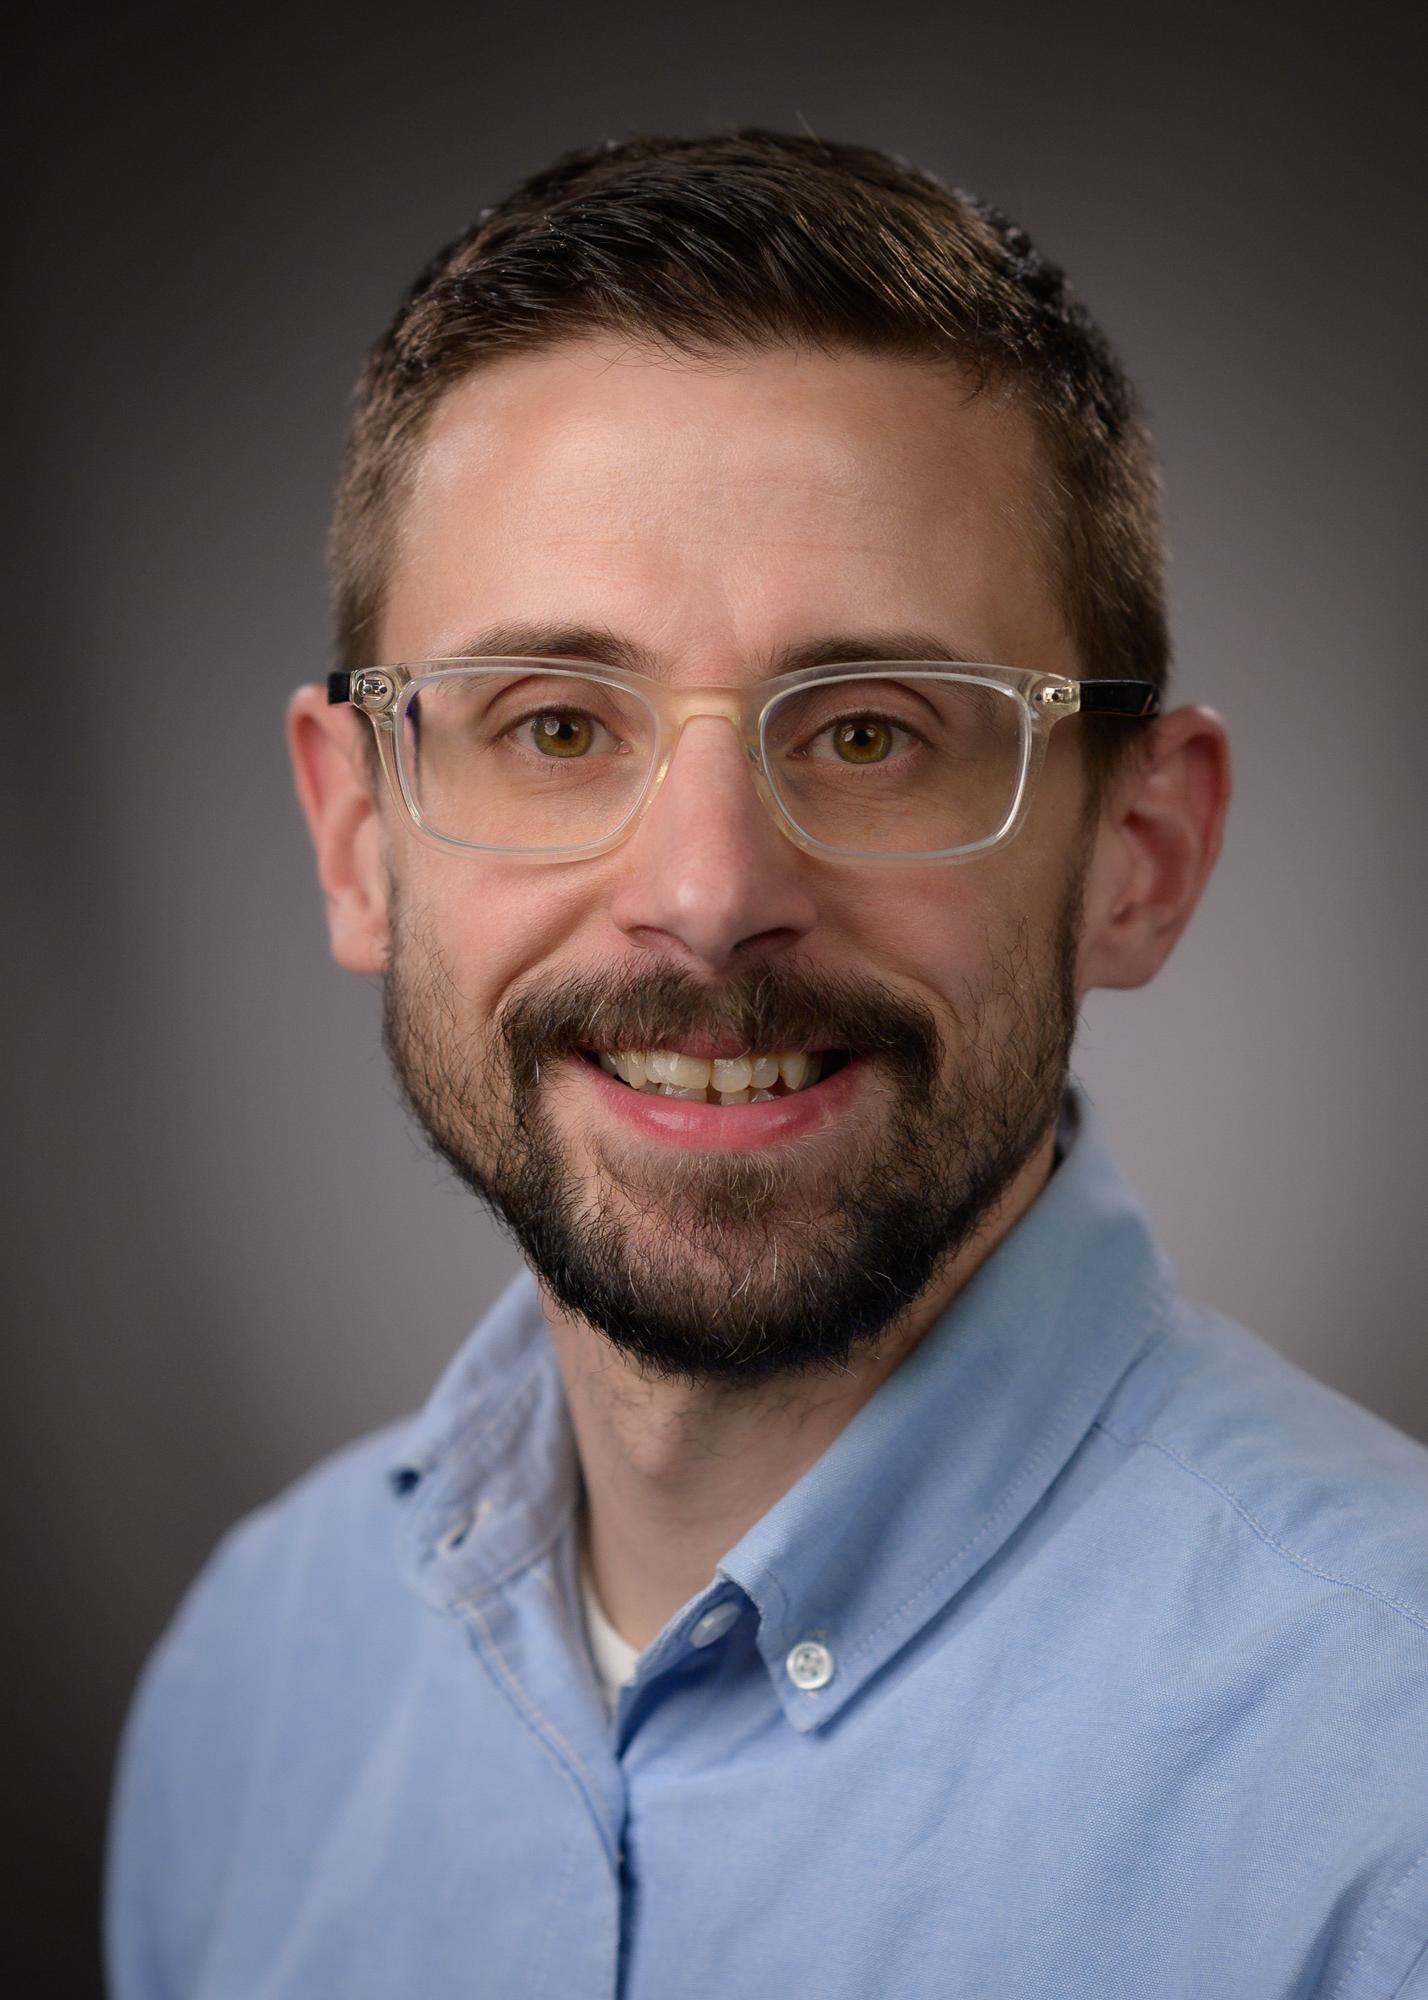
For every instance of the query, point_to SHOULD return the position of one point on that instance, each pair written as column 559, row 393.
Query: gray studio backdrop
column 228, row 1250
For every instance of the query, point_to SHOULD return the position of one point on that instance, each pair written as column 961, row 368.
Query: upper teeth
column 736, row 1077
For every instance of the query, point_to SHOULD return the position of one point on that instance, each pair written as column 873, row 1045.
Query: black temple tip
column 1120, row 697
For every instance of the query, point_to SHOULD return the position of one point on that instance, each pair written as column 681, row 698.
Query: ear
column 1156, row 842
column 336, row 795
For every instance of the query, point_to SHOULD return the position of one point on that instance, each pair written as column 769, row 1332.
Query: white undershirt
column 614, row 1657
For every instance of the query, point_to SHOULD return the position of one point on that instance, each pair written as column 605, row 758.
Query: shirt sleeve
column 1392, row 1961
column 178, row 1785
column 1415, row 1986
column 136, row 1854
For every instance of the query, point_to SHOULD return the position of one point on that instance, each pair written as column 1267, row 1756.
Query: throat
column 673, row 1477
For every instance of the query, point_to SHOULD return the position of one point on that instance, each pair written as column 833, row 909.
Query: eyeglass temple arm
column 1119, row 698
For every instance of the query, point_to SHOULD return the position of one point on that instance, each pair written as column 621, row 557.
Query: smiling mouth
column 754, row 1078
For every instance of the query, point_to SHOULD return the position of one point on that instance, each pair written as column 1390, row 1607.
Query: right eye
column 563, row 734
column 860, row 740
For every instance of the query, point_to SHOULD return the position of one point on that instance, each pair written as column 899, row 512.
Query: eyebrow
column 602, row 646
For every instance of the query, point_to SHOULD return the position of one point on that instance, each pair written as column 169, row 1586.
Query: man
column 842, row 1564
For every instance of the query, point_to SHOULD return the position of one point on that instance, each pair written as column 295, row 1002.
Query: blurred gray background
column 227, row 1250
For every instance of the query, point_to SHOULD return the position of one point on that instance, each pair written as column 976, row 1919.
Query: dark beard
column 743, row 1267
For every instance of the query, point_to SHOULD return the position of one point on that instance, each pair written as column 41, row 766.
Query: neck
column 674, row 1475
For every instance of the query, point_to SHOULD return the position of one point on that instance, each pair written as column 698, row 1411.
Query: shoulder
column 1276, row 1534
column 1316, row 1481
column 284, row 1647
column 316, row 1556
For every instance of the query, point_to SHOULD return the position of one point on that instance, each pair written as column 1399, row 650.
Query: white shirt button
column 715, row 1623
column 456, row 1534
column 810, row 1666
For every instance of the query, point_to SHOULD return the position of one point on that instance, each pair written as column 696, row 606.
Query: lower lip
column 715, row 1128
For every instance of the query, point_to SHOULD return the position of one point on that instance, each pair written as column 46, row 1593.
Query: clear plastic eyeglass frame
column 383, row 694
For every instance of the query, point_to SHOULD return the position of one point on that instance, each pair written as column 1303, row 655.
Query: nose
column 707, row 876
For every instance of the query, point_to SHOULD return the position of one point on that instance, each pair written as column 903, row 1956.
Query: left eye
column 858, row 739
column 564, row 733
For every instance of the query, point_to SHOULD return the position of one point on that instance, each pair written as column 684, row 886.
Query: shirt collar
column 939, row 1468
column 907, row 1504
column 487, row 1474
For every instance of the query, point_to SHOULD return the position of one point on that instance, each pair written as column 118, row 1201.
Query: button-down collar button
column 714, row 1623
column 455, row 1535
column 447, row 1544
column 810, row 1666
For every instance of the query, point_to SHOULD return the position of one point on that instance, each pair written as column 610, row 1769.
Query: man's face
column 714, row 515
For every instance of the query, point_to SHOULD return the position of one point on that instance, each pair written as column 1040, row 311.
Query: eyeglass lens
column 538, row 761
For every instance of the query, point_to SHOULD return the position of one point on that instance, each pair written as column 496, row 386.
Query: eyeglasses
column 886, row 760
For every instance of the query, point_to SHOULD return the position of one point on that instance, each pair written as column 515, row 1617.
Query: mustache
column 787, row 1006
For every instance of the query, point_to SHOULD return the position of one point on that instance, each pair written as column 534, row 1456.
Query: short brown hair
column 758, row 239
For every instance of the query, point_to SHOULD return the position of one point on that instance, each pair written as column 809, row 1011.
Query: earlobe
column 1157, row 843
column 337, row 801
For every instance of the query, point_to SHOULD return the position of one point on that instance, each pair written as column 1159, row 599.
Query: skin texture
column 712, row 513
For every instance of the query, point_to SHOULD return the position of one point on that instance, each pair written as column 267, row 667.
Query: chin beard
column 741, row 1268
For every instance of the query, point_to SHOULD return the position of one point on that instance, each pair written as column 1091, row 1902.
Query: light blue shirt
column 1091, row 1659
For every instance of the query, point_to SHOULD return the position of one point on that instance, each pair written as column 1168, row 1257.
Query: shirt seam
column 1419, row 1959
column 1385, row 1911
column 1408, row 1611
column 541, row 1724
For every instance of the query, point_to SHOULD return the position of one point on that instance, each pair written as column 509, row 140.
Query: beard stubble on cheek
column 741, row 1267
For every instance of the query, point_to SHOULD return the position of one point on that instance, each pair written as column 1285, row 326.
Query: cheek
column 927, row 926
column 495, row 924
column 940, row 928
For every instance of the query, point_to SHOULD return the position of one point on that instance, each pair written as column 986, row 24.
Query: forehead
column 716, row 512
